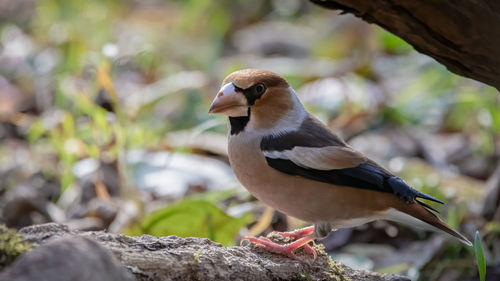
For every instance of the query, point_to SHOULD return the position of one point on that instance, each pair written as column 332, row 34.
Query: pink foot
column 287, row 250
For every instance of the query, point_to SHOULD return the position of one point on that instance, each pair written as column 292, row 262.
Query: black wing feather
column 365, row 176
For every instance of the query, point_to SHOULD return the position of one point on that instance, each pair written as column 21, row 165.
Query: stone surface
column 67, row 258
column 175, row 258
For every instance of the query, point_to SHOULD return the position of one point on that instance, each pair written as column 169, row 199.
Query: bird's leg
column 296, row 234
column 287, row 250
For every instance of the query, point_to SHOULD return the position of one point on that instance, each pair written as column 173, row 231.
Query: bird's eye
column 260, row 88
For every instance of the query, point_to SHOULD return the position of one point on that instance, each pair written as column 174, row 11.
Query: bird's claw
column 287, row 250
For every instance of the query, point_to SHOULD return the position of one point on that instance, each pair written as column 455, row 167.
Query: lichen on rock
column 12, row 245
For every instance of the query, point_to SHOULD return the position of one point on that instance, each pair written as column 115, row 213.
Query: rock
column 174, row 258
column 67, row 258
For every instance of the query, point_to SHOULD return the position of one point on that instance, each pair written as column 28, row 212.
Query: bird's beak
column 229, row 102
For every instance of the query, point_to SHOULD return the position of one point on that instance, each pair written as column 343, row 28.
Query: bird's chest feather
column 251, row 169
column 247, row 161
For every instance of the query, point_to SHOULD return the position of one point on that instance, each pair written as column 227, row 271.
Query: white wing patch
column 320, row 158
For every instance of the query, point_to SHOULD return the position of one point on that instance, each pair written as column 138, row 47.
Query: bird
column 291, row 161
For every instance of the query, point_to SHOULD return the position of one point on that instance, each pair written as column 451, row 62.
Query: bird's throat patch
column 238, row 124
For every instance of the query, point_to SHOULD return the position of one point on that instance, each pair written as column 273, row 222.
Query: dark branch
column 462, row 35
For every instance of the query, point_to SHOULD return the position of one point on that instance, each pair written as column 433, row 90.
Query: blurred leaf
column 213, row 196
column 68, row 125
column 397, row 268
column 262, row 223
column 479, row 252
column 93, row 150
column 103, row 76
column 393, row 43
column 392, row 114
column 492, row 226
column 36, row 130
column 192, row 218
column 453, row 217
column 67, row 179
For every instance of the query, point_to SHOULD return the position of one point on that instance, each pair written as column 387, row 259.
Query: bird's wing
column 320, row 158
column 334, row 162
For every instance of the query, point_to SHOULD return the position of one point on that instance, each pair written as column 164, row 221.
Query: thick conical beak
column 229, row 102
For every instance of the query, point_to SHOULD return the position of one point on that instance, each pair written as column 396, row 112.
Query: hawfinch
column 292, row 162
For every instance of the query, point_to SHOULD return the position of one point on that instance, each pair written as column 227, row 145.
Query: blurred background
column 104, row 124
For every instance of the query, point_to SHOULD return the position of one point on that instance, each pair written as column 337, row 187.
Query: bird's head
column 264, row 97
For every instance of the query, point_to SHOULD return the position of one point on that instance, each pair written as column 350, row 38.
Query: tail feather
column 419, row 211
column 437, row 223
column 426, row 206
column 427, row 196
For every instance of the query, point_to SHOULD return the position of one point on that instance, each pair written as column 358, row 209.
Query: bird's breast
column 247, row 161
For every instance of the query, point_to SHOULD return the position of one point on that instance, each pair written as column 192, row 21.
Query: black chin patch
column 238, row 124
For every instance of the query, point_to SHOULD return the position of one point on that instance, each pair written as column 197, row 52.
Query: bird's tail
column 420, row 212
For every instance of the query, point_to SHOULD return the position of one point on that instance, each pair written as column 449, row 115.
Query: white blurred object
column 171, row 174
column 170, row 85
column 199, row 138
column 15, row 43
column 110, row 50
column 85, row 167
column 331, row 93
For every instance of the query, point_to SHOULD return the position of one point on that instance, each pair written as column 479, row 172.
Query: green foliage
column 478, row 111
column 214, row 196
column 479, row 252
column 393, row 43
column 192, row 218
column 72, row 141
column 492, row 227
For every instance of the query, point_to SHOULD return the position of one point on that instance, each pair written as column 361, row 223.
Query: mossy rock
column 12, row 245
